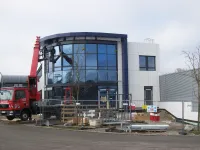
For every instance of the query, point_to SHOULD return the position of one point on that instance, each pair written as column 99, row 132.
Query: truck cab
column 15, row 103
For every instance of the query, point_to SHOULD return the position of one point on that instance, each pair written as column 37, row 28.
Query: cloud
column 173, row 24
column 174, row 39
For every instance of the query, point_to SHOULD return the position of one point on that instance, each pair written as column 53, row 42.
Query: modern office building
column 98, row 63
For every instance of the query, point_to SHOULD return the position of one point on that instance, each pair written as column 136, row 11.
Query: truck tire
column 10, row 117
column 24, row 115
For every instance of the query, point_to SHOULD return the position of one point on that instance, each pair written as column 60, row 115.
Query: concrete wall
column 138, row 79
column 176, row 109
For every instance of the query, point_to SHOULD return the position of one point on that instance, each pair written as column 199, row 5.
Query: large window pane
column 79, row 61
column 79, row 48
column 67, row 49
column 79, row 76
column 112, row 75
column 91, row 75
column 67, row 75
column 91, row 48
column 57, row 69
column 102, row 75
column 151, row 62
column 111, row 60
column 91, row 59
column 102, row 60
column 112, row 68
column 67, row 60
column 101, row 48
column 50, row 66
column 57, row 52
column 111, row 49
column 142, row 61
column 50, row 78
column 57, row 77
column 58, row 61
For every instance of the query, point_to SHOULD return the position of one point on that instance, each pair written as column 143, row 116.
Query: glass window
column 151, row 62
column 91, row 59
column 112, row 75
column 79, row 76
column 57, row 77
column 67, row 49
column 79, row 61
column 91, row 75
column 111, row 60
column 102, row 75
column 67, row 60
column 111, row 49
column 112, row 68
column 91, row 48
column 57, row 69
column 102, row 60
column 57, row 52
column 50, row 78
column 102, row 68
column 147, row 63
column 142, row 61
column 57, row 61
column 20, row 94
column 79, row 48
column 67, row 75
column 50, row 66
column 101, row 48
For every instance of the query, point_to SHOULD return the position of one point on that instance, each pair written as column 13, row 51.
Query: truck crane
column 23, row 102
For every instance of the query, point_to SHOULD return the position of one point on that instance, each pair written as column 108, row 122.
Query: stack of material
column 140, row 117
column 68, row 112
column 95, row 122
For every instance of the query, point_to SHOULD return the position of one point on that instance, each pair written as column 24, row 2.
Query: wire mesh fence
column 83, row 112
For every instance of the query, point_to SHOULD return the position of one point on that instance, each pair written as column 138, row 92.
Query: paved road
column 21, row 137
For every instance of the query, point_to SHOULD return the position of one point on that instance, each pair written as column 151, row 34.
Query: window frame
column 147, row 68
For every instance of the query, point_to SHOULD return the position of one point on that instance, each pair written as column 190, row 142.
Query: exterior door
column 148, row 95
column 21, row 100
column 107, row 97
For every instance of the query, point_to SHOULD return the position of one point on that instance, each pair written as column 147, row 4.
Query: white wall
column 41, row 82
column 138, row 79
column 175, row 108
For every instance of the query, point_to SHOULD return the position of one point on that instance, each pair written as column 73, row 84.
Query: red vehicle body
column 18, row 101
column 22, row 102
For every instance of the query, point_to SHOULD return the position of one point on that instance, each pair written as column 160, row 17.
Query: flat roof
column 84, row 34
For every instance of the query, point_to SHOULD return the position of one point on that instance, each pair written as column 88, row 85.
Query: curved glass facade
column 82, row 63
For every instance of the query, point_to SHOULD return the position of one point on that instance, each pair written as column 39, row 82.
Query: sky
column 173, row 24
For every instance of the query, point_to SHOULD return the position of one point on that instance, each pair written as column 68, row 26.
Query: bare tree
column 193, row 62
column 78, row 64
column 180, row 70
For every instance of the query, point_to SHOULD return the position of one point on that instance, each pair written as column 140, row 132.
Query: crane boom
column 33, row 71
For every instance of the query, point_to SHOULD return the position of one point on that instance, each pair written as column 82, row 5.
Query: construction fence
column 83, row 112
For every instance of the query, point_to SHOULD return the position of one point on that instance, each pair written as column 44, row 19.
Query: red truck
column 20, row 101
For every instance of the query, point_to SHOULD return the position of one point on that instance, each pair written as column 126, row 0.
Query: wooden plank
column 68, row 113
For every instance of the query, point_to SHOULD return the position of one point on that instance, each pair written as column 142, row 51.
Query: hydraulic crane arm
column 33, row 71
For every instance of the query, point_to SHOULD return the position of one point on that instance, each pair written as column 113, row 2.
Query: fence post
column 182, row 132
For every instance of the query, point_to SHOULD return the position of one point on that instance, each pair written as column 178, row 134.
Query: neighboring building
column 107, row 62
column 176, row 88
column 14, row 80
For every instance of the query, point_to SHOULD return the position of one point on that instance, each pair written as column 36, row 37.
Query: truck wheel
column 24, row 115
column 10, row 117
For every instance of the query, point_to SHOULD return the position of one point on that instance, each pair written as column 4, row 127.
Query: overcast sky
column 174, row 24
